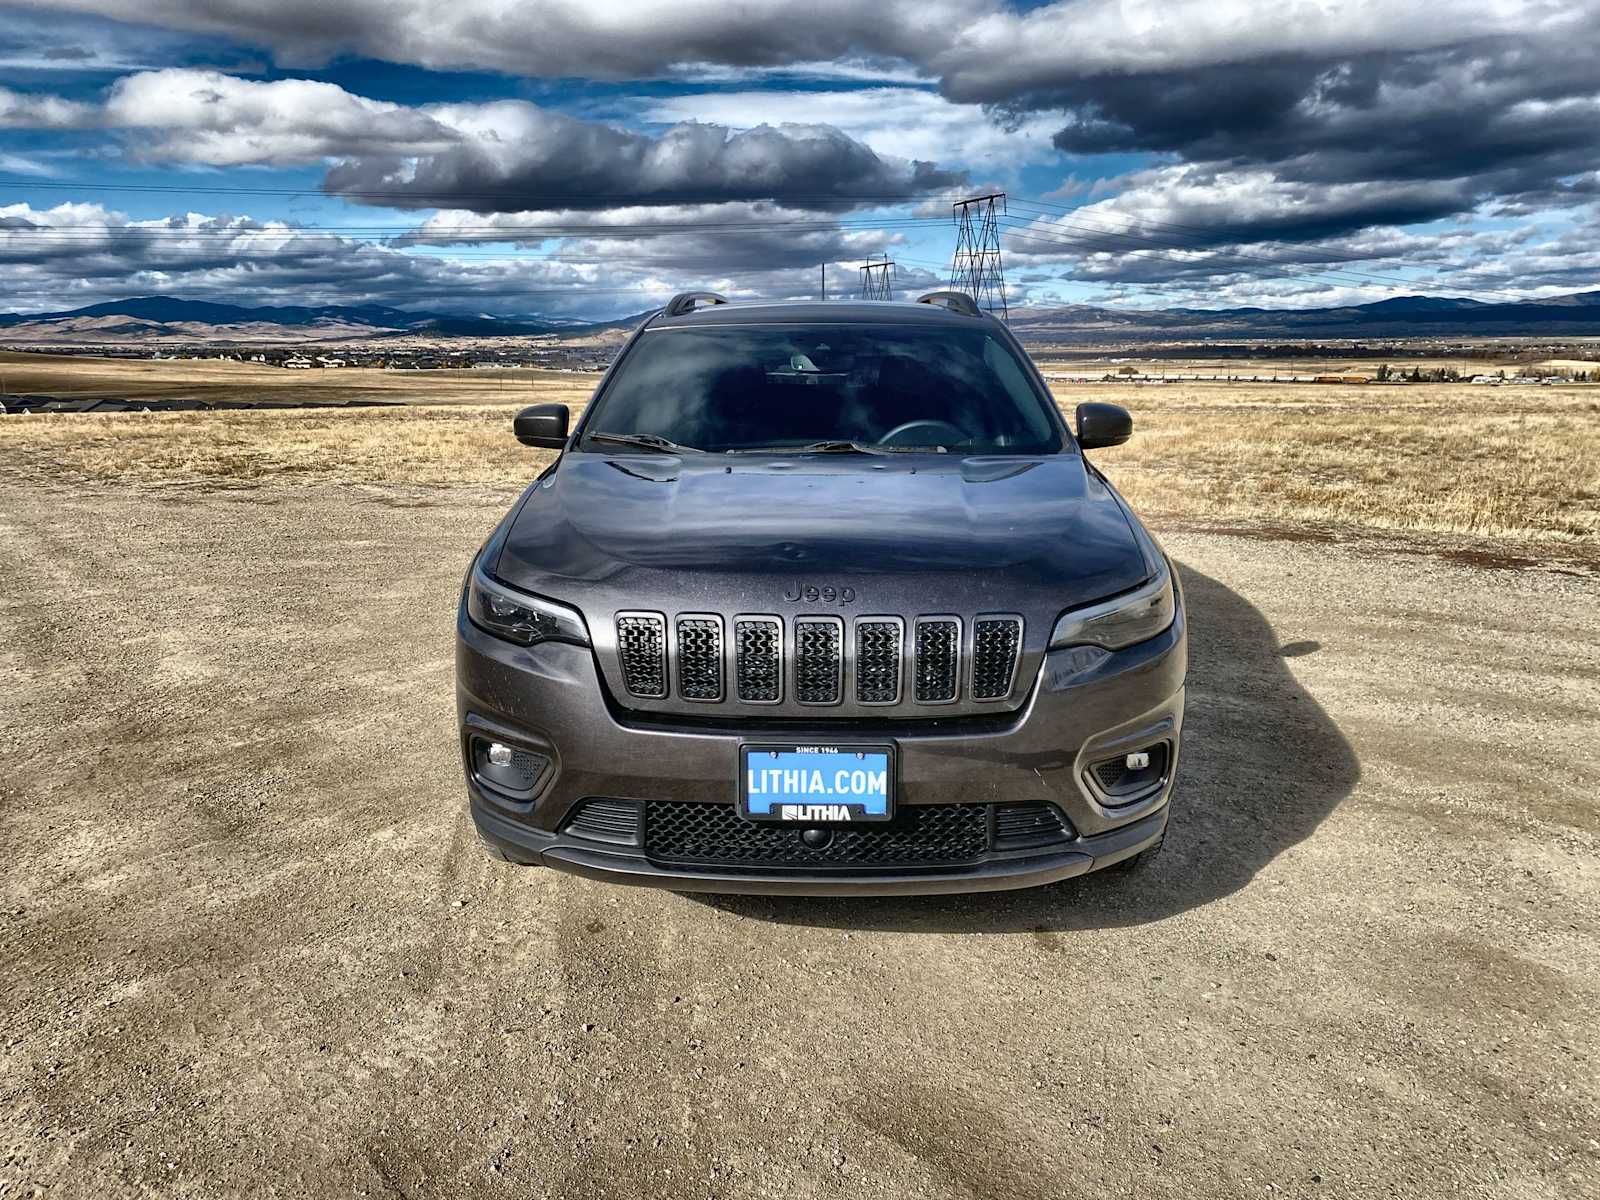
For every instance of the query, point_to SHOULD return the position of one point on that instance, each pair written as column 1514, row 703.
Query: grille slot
column 938, row 659
column 642, row 651
column 699, row 657
column 758, row 659
column 614, row 821
column 879, row 644
column 716, row 835
column 995, row 642
column 818, row 660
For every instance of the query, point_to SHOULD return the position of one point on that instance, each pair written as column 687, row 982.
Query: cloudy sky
column 589, row 157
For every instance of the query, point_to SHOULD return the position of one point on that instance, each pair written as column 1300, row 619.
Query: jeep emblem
column 826, row 594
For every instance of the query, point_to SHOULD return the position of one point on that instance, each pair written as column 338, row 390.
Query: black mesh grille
column 1110, row 773
column 758, row 662
column 642, row 649
column 700, row 658
column 615, row 821
column 878, row 661
column 716, row 835
column 938, row 660
column 994, row 656
column 818, row 661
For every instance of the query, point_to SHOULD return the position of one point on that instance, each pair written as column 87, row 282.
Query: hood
column 904, row 534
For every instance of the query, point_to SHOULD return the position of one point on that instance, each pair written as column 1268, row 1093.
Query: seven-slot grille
column 881, row 654
column 700, row 657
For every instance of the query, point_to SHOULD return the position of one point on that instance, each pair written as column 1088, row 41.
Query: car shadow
column 1262, row 766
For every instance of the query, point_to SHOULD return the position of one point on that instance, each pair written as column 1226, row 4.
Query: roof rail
column 687, row 302
column 956, row 302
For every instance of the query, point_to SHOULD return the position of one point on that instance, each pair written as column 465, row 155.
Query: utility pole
column 877, row 280
column 824, row 281
column 976, row 267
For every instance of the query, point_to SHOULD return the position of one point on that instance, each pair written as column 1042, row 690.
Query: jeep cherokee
column 821, row 597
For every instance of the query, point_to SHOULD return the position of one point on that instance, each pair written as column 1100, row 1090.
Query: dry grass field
column 1506, row 465
column 249, row 945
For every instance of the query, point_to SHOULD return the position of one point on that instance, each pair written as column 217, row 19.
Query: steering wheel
column 927, row 432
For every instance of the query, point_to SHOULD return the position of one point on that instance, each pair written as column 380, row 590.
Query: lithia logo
column 827, row 593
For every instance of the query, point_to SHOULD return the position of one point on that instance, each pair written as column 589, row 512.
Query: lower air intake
column 614, row 821
column 715, row 835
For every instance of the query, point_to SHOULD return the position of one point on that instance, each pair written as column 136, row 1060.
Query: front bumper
column 551, row 700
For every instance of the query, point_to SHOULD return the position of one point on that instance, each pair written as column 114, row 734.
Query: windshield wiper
column 815, row 448
column 644, row 441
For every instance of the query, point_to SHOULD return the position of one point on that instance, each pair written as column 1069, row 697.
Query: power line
column 976, row 268
column 877, row 280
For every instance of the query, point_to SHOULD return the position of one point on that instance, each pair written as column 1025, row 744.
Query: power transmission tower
column 877, row 280
column 976, row 267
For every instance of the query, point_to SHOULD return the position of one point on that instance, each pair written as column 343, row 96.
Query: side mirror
column 1103, row 425
column 542, row 425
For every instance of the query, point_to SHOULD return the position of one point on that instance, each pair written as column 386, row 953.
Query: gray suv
column 821, row 598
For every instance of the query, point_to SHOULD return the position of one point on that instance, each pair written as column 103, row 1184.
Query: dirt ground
column 249, row 945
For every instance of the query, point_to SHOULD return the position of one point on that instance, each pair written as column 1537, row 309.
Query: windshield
column 882, row 387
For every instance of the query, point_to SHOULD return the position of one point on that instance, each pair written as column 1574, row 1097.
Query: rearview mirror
column 1103, row 425
column 542, row 425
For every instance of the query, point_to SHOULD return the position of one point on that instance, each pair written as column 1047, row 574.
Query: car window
column 741, row 387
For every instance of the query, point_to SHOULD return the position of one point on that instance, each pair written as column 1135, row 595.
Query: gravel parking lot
column 249, row 945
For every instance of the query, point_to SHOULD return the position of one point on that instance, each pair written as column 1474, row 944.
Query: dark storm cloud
column 77, row 254
column 513, row 156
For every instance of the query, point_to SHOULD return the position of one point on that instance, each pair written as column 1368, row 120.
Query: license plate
column 809, row 785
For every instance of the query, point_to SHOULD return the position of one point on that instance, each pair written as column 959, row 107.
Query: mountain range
column 167, row 319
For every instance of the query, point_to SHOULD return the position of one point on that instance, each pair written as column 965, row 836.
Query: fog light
column 1132, row 776
column 509, row 769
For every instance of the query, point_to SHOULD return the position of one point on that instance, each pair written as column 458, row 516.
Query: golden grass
column 1510, row 464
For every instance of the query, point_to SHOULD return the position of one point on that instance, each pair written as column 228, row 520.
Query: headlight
column 1113, row 624
column 519, row 617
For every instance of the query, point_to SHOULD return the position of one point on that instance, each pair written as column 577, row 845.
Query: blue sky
column 588, row 159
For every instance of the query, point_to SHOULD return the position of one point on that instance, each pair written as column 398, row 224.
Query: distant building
column 298, row 364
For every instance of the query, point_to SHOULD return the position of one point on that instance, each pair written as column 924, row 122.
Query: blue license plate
column 809, row 785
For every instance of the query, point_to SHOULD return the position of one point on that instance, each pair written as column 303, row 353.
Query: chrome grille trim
column 996, row 648
column 879, row 653
column 936, row 668
column 642, row 652
column 758, row 659
column 698, row 656
column 818, row 660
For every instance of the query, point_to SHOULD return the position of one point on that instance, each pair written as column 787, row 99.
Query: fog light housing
column 1132, row 775
column 509, row 769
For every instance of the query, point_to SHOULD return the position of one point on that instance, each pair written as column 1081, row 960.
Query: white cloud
column 76, row 254
column 28, row 110
column 908, row 122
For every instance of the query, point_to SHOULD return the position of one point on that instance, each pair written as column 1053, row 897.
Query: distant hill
column 173, row 318
column 1575, row 315
column 167, row 319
